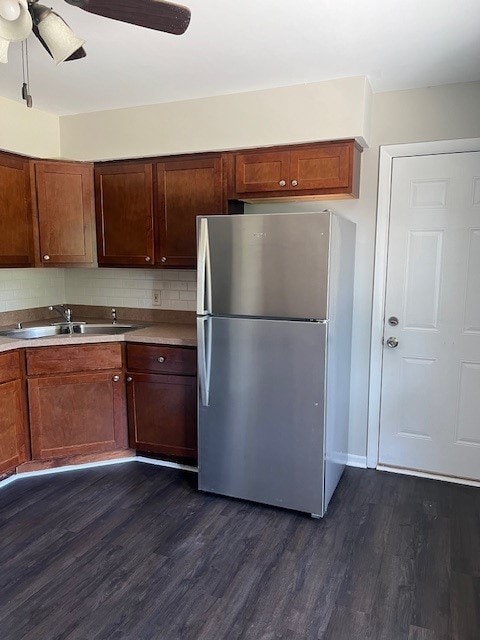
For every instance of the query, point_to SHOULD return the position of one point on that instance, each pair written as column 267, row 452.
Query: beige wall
column 28, row 131
column 302, row 113
column 342, row 108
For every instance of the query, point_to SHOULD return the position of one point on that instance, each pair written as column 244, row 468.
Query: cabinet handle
column 161, row 359
column 147, row 258
column 129, row 378
column 294, row 183
column 282, row 183
column 115, row 378
column 46, row 257
column 164, row 259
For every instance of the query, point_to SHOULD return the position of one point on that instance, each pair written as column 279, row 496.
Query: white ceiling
column 241, row 45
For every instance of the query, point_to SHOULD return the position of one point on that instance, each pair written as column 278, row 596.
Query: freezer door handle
column 204, row 274
column 204, row 334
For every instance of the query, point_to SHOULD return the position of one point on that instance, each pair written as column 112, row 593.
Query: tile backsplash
column 132, row 288
column 29, row 288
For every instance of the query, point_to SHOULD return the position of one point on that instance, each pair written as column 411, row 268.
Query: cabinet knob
column 294, row 183
column 163, row 259
column 282, row 183
column 46, row 257
column 115, row 378
column 161, row 359
column 147, row 258
column 129, row 378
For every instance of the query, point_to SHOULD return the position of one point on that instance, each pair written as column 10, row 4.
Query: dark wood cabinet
column 14, row 448
column 162, row 407
column 322, row 170
column 16, row 224
column 124, row 210
column 65, row 212
column 186, row 188
column 77, row 400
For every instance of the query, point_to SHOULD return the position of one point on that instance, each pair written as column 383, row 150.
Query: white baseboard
column 90, row 465
column 356, row 461
column 430, row 476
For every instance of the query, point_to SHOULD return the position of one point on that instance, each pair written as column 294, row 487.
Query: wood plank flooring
column 134, row 552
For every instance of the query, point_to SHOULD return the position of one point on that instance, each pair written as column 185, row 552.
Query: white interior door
column 430, row 404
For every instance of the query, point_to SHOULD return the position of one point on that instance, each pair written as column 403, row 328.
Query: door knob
column 294, row 183
column 392, row 342
column 282, row 183
column 115, row 378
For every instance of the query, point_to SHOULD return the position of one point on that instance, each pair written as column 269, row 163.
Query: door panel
column 431, row 380
column 270, row 265
column 186, row 189
column 261, row 435
column 124, row 205
column 264, row 171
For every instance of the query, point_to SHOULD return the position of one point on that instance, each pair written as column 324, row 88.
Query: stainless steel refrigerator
column 274, row 318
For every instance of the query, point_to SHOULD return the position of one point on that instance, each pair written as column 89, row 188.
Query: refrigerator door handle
column 204, row 272
column 204, row 333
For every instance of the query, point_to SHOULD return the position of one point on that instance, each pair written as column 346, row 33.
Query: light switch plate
column 157, row 298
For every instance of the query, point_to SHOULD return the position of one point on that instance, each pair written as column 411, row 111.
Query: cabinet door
column 13, row 449
column 322, row 167
column 124, row 206
column 65, row 212
column 77, row 414
column 185, row 190
column 262, row 171
column 16, row 226
column 162, row 414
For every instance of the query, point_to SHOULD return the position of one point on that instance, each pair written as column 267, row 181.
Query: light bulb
column 9, row 9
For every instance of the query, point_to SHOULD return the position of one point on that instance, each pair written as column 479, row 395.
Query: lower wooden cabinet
column 80, row 412
column 162, row 408
column 13, row 431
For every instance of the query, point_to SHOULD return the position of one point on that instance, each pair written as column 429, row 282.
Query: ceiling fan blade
column 152, row 14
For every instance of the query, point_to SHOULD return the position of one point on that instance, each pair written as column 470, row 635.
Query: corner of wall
column 30, row 131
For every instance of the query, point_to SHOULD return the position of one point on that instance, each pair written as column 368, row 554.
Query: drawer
column 10, row 366
column 73, row 358
column 162, row 359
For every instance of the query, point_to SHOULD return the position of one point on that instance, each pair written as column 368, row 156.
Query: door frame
column 387, row 155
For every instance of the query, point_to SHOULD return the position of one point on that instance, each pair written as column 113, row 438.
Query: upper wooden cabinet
column 124, row 206
column 65, row 210
column 16, row 226
column 146, row 212
column 322, row 170
column 186, row 188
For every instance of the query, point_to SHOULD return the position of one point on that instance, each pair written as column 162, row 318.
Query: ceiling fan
column 19, row 18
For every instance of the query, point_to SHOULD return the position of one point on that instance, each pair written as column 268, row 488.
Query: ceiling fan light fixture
column 4, row 50
column 19, row 28
column 55, row 33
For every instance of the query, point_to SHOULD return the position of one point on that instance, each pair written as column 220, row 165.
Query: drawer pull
column 161, row 359
column 147, row 258
column 129, row 378
column 294, row 183
column 46, row 257
column 115, row 378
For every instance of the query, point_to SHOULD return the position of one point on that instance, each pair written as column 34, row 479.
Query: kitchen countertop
column 184, row 335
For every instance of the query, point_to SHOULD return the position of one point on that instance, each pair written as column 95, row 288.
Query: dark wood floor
column 134, row 552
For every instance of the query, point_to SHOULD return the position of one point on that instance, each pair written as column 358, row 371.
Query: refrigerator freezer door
column 261, row 435
column 272, row 265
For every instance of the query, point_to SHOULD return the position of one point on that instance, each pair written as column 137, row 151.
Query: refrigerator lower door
column 261, row 413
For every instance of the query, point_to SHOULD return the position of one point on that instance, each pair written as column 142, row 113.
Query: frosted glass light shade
column 19, row 29
column 4, row 50
column 59, row 38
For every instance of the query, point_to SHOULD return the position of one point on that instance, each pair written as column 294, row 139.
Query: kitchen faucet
column 63, row 310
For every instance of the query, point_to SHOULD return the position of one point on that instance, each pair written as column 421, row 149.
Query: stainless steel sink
column 29, row 333
column 104, row 329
